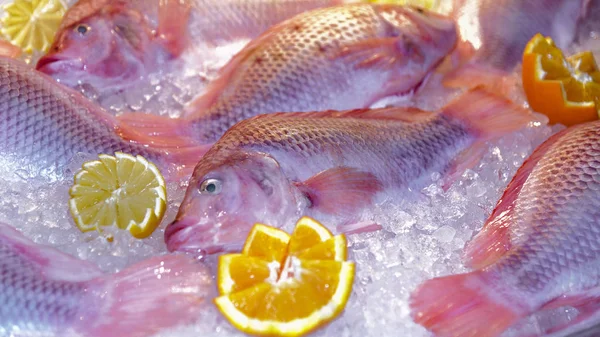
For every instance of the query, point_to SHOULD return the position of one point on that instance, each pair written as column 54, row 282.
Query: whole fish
column 44, row 292
column 539, row 249
column 500, row 29
column 339, row 58
column 43, row 125
column 110, row 44
column 270, row 167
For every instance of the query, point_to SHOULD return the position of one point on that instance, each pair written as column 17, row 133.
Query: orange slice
column 285, row 285
column 567, row 90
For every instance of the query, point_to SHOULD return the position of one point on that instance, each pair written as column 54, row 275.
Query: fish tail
column 154, row 294
column 459, row 305
column 486, row 114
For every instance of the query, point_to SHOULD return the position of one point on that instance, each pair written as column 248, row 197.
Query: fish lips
column 52, row 64
column 184, row 235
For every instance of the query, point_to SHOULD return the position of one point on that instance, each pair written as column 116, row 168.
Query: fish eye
column 82, row 29
column 210, row 186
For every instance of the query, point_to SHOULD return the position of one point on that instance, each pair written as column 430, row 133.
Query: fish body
column 44, row 292
column 539, row 249
column 342, row 57
column 271, row 167
column 43, row 125
column 500, row 29
column 108, row 45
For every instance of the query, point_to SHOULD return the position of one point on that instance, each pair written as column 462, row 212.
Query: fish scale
column 44, row 292
column 273, row 166
column 43, row 125
column 299, row 65
column 539, row 249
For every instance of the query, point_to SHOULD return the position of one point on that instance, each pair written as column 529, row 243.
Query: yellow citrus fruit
column 291, row 291
column 31, row 24
column 122, row 191
column 565, row 89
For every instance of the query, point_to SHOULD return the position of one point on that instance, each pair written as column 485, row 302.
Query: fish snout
column 176, row 231
column 52, row 63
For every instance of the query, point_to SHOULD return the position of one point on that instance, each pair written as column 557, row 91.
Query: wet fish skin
column 500, row 29
column 540, row 248
column 45, row 292
column 272, row 167
column 341, row 57
column 43, row 125
column 108, row 45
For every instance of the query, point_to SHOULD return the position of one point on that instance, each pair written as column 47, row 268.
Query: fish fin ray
column 340, row 190
column 587, row 305
column 459, row 305
column 465, row 160
column 487, row 115
column 163, row 134
column 405, row 114
column 120, row 304
column 489, row 245
column 7, row 49
column 173, row 17
column 52, row 263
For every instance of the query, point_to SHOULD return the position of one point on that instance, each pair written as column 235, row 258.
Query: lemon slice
column 122, row 191
column 31, row 24
column 285, row 285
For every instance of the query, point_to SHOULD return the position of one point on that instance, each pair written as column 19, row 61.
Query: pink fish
column 43, row 125
column 9, row 50
column 500, row 29
column 44, row 292
column 268, row 168
column 110, row 44
column 340, row 58
column 539, row 249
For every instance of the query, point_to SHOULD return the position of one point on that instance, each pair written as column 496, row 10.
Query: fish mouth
column 51, row 64
column 186, row 236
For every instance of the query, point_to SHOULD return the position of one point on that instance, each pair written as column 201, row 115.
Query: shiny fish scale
column 555, row 228
column 44, row 126
column 295, row 70
column 396, row 152
column 29, row 302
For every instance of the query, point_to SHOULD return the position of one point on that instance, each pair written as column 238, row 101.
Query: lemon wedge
column 31, row 24
column 122, row 191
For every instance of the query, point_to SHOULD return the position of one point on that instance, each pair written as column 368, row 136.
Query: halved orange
column 263, row 296
column 567, row 90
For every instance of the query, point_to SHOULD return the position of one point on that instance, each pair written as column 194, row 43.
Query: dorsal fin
column 408, row 114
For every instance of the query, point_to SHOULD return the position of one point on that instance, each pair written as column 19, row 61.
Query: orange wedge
column 282, row 285
column 567, row 90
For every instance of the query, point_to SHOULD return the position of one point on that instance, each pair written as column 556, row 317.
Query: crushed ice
column 421, row 238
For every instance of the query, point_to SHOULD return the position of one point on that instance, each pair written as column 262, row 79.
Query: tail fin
column 163, row 133
column 459, row 306
column 152, row 295
column 488, row 115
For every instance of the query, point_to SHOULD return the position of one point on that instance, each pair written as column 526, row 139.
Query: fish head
column 424, row 37
column 225, row 198
column 106, row 49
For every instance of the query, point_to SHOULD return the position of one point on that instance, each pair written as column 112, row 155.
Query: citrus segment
column 564, row 89
column 31, row 24
column 238, row 271
column 332, row 249
column 267, row 243
column 307, row 233
column 294, row 307
column 310, row 286
column 121, row 191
